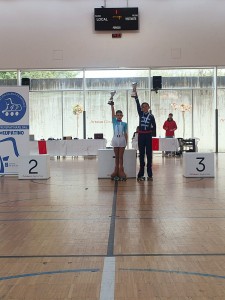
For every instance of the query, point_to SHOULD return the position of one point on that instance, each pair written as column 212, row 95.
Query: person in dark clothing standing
column 147, row 129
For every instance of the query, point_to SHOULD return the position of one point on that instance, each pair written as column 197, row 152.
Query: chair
column 181, row 146
column 189, row 145
column 196, row 143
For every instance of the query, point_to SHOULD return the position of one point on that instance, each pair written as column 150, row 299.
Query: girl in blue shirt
column 119, row 143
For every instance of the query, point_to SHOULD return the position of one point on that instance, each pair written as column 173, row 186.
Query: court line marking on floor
column 165, row 218
column 48, row 273
column 66, row 210
column 108, row 279
column 108, row 274
column 112, row 223
column 115, row 255
column 173, row 271
column 110, row 247
column 20, row 200
column 98, row 209
column 102, row 219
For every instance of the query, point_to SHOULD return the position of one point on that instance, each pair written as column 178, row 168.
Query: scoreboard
column 123, row 18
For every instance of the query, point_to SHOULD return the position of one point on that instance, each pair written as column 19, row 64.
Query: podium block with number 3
column 34, row 167
column 198, row 164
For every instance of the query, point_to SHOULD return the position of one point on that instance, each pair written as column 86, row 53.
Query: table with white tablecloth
column 168, row 144
column 76, row 147
column 160, row 144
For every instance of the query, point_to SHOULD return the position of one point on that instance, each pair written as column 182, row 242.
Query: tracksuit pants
column 145, row 147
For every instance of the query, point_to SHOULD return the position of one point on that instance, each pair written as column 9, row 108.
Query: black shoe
column 150, row 178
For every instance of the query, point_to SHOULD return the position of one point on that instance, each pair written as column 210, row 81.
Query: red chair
column 155, row 144
column 42, row 147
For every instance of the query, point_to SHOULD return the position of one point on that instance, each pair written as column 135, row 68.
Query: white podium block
column 106, row 162
column 196, row 164
column 34, row 167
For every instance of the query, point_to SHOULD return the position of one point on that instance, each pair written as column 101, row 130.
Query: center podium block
column 106, row 163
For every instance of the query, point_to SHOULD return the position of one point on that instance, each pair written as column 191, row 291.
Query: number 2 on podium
column 35, row 165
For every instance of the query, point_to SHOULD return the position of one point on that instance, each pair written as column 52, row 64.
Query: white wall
column 60, row 34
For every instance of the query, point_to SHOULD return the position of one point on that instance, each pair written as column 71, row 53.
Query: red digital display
column 116, row 35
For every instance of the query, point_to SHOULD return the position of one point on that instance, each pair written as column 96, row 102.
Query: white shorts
column 119, row 141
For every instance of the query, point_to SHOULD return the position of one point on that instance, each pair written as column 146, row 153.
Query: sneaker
column 150, row 178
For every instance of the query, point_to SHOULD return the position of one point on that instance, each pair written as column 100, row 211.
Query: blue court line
column 106, row 219
column 167, row 254
column 165, row 218
column 114, row 255
column 20, row 200
column 174, row 210
column 31, row 211
column 174, row 271
column 69, row 210
column 48, row 273
column 16, row 193
column 107, row 208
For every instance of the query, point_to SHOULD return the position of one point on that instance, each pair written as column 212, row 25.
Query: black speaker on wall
column 25, row 81
column 157, row 82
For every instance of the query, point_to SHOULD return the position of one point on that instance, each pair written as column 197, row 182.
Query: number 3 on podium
column 198, row 164
column 202, row 166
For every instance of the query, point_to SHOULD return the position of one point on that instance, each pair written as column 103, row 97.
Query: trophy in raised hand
column 134, row 90
column 110, row 102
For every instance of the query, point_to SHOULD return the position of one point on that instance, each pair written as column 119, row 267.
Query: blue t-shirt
column 119, row 128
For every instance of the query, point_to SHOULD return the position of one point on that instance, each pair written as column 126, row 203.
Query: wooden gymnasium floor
column 76, row 237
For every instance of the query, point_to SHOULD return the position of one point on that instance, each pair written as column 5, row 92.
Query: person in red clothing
column 170, row 126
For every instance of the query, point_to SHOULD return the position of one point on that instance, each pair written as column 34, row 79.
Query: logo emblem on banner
column 4, row 160
column 12, row 107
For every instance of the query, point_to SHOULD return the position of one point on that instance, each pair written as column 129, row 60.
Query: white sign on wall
column 14, row 127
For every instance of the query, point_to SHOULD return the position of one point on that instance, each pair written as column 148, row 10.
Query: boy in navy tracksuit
column 147, row 129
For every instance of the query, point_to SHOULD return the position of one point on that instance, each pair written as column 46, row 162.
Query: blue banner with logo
column 14, row 127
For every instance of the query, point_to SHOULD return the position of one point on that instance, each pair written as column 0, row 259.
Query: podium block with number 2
column 198, row 164
column 34, row 167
